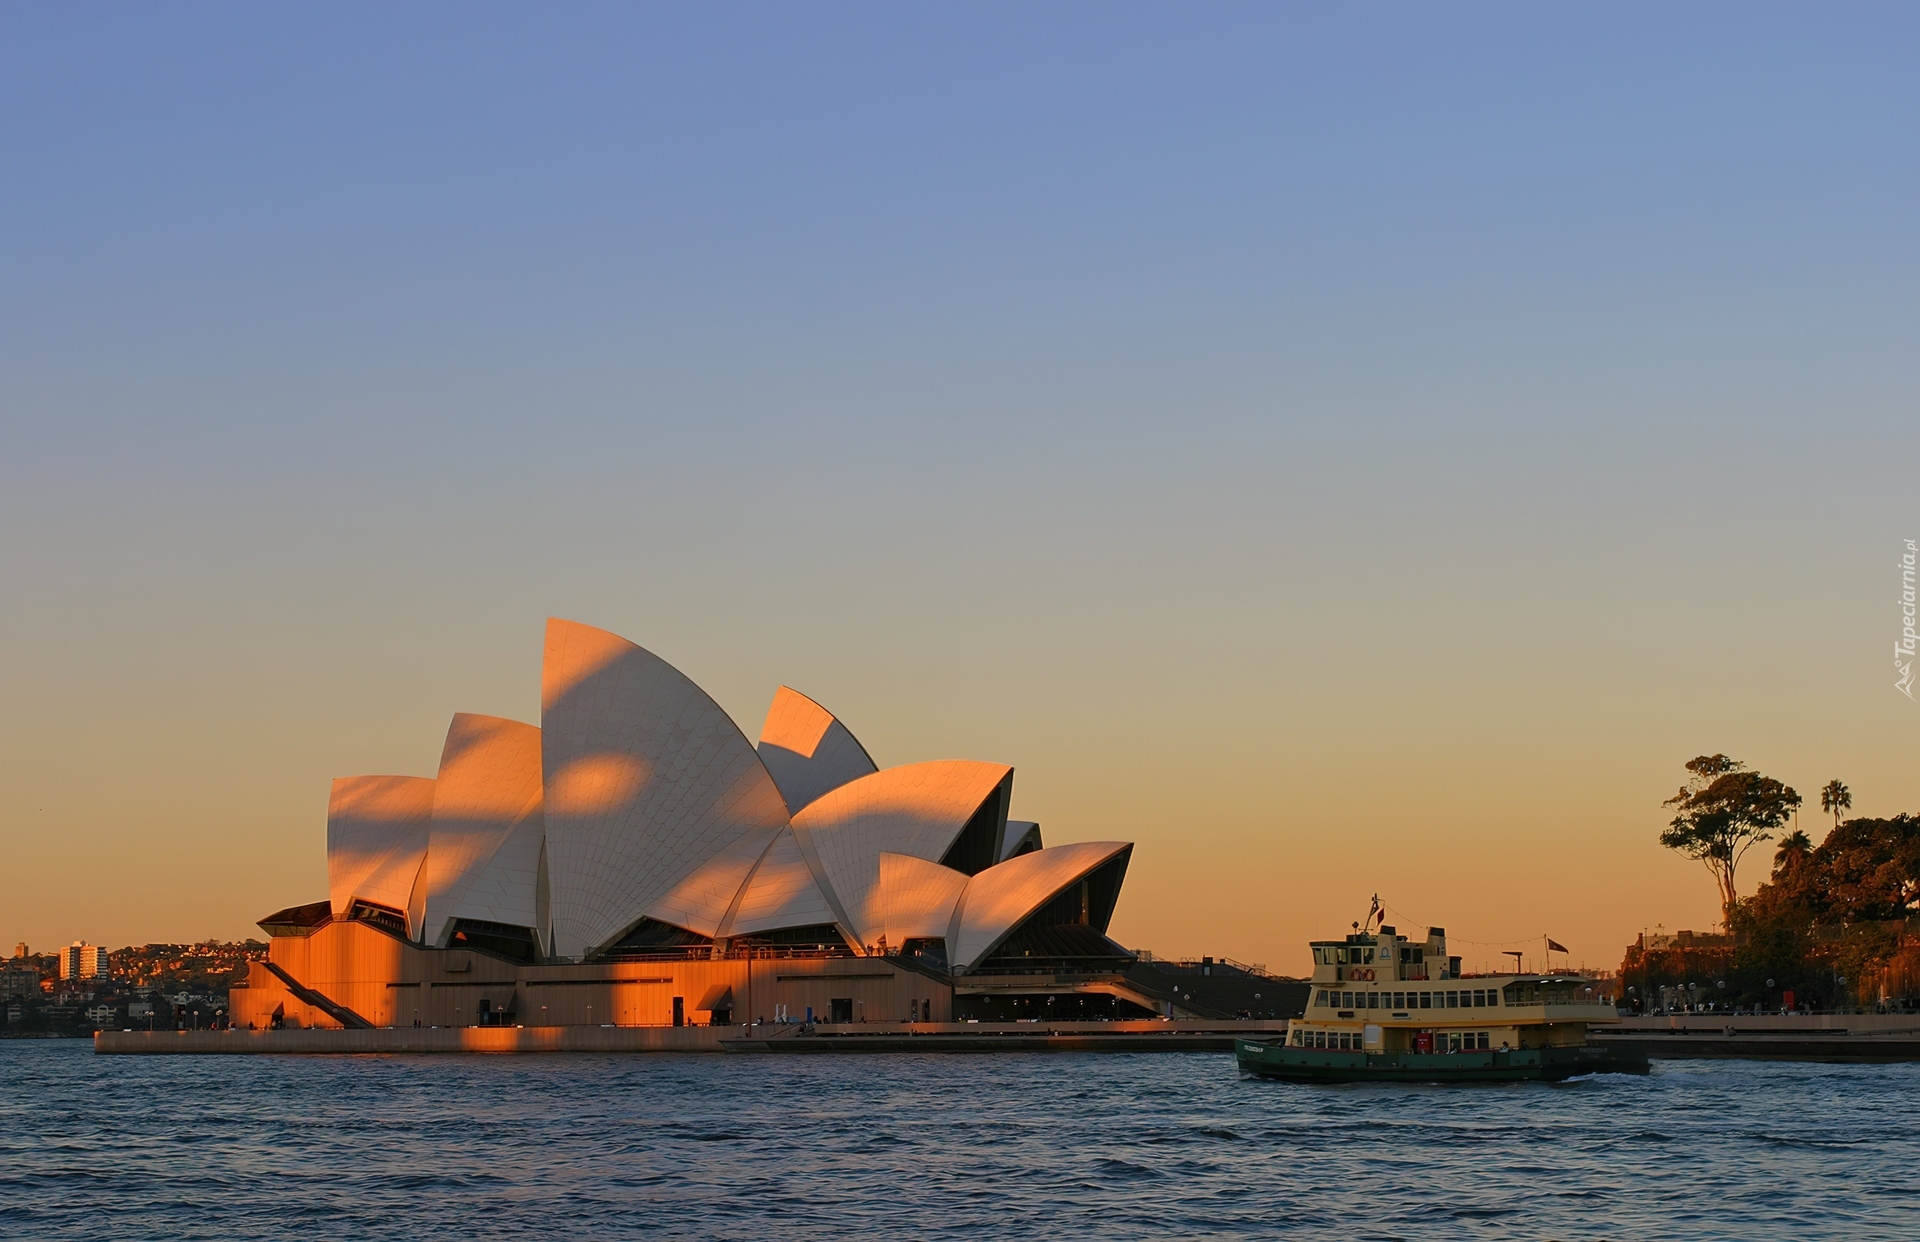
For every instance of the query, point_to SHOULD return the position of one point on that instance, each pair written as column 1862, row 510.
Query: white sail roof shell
column 781, row 893
column 1021, row 834
column 916, row 809
column 1000, row 898
column 483, row 861
column 807, row 750
column 917, row 898
column 656, row 803
column 377, row 830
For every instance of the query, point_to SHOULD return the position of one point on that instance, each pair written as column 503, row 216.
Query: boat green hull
column 1292, row 1064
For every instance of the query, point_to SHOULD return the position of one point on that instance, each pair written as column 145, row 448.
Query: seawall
column 1143, row 1036
column 1771, row 1037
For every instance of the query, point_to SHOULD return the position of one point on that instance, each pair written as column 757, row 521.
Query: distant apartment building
column 80, row 960
column 19, row 985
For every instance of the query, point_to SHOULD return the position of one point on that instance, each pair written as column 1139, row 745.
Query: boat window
column 1493, row 997
column 1373, row 1000
column 1399, row 1000
column 1419, row 954
column 1369, row 953
column 1426, row 1000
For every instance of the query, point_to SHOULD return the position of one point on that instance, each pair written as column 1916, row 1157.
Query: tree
column 1835, row 797
column 1720, row 813
column 1795, row 848
column 1870, row 869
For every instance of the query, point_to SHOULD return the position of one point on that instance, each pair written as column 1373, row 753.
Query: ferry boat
column 1387, row 1008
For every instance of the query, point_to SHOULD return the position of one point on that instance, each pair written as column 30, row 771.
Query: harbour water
column 953, row 1146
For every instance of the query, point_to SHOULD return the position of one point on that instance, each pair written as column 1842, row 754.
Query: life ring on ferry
column 1365, row 974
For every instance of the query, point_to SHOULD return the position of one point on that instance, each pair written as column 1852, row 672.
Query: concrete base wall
column 1769, row 1037
column 495, row 1039
column 846, row 1037
column 1775, row 1023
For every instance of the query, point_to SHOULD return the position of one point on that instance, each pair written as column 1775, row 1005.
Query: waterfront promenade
column 1142, row 1036
column 1771, row 1037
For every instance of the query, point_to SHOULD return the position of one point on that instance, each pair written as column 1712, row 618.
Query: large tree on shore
column 1720, row 813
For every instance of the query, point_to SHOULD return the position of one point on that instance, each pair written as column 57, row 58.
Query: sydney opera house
column 636, row 860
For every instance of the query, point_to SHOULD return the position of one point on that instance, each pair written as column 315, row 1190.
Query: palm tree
column 1836, row 798
column 1795, row 848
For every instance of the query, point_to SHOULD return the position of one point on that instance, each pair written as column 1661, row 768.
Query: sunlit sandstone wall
column 391, row 983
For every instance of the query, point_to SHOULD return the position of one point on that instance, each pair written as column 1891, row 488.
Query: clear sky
column 1340, row 448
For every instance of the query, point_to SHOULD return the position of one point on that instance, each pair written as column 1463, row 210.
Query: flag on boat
column 1554, row 946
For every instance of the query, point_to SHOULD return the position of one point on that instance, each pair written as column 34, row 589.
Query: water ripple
column 938, row 1146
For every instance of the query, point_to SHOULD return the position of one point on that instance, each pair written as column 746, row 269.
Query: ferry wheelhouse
column 1385, row 1006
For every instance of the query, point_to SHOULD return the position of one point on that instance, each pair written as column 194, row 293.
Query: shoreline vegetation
column 1831, row 928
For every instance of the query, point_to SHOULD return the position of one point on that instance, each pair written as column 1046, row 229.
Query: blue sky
column 1265, row 427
